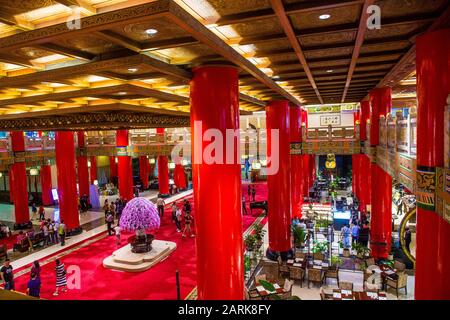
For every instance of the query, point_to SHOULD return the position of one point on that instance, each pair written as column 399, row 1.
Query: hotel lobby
column 225, row 150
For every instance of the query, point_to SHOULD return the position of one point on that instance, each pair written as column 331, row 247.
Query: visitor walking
column 117, row 233
column 33, row 211
column 187, row 225
column 109, row 222
column 345, row 236
column 355, row 232
column 34, row 286
column 46, row 234
column 253, row 193
column 187, row 207
column 36, row 269
column 244, row 207
column 62, row 233
column 7, row 275
column 174, row 211
column 364, row 234
column 407, row 237
column 105, row 207
column 61, row 278
column 55, row 232
column 160, row 204
column 41, row 213
column 178, row 219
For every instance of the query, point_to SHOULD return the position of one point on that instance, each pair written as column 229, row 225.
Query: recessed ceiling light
column 276, row 77
column 122, row 93
column 329, row 71
column 324, row 16
column 151, row 32
column 132, row 69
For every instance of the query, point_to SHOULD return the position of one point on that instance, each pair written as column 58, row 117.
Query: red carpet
column 155, row 283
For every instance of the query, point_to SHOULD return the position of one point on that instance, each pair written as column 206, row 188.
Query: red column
column 19, row 181
column 143, row 171
column 312, row 170
column 163, row 175
column 179, row 176
column 381, row 221
column 67, row 182
column 381, row 182
column 295, row 122
column 217, row 187
column 112, row 167
column 125, row 170
column 278, row 184
column 306, row 178
column 306, row 159
column 11, row 184
column 163, row 168
column 93, row 169
column 46, row 185
column 364, row 116
column 355, row 176
column 433, row 232
column 355, row 161
column 82, row 162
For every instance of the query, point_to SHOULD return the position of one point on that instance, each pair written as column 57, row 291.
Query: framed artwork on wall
column 334, row 120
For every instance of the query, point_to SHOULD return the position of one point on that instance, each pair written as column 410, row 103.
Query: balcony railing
column 331, row 133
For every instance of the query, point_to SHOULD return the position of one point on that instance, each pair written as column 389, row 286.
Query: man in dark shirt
column 34, row 286
column 407, row 237
column 6, row 274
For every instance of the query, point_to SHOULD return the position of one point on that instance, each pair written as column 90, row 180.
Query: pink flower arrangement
column 139, row 214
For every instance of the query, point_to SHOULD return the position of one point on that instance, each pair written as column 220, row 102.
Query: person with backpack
column 61, row 277
column 62, row 232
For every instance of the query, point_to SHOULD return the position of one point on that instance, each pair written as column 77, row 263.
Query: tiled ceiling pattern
column 140, row 53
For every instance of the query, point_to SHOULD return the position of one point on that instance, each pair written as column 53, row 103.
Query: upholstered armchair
column 297, row 273
column 283, row 268
column 315, row 276
column 399, row 283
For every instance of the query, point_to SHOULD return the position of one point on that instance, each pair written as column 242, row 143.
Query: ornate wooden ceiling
column 139, row 53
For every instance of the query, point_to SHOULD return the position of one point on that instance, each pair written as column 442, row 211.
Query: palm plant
column 299, row 236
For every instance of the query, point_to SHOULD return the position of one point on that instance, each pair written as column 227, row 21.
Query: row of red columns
column 432, row 279
column 67, row 178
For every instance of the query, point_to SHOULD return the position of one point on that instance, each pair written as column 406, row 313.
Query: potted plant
column 250, row 242
column 247, row 264
column 345, row 251
column 259, row 233
column 140, row 215
column 299, row 236
column 320, row 247
column 361, row 251
column 336, row 261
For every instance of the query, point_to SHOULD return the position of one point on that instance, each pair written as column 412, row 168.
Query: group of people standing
column 177, row 217
column 34, row 283
column 358, row 232
column 113, row 211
